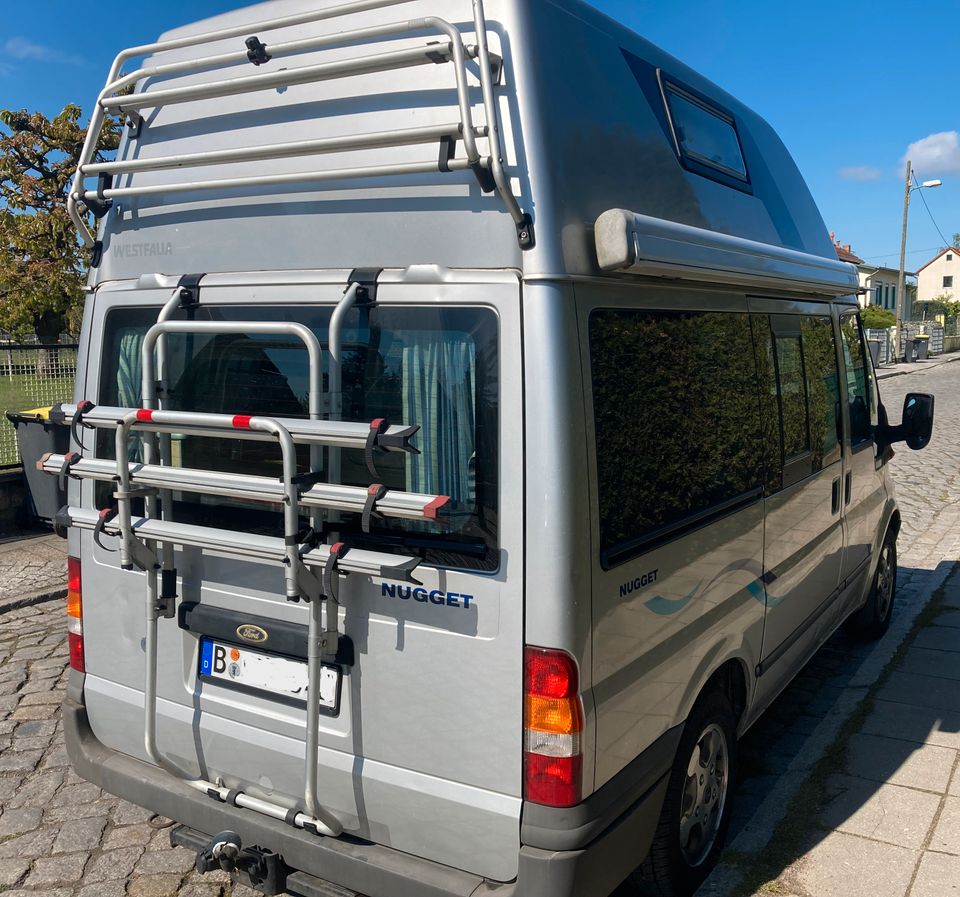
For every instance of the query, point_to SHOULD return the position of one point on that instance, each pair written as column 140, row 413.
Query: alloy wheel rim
column 704, row 795
column 884, row 583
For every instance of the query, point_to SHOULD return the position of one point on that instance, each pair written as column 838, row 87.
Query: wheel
column 873, row 619
column 696, row 810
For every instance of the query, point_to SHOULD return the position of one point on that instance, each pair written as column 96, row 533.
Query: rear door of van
column 424, row 751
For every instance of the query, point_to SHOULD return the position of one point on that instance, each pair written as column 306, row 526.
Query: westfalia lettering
column 141, row 250
column 436, row 596
column 636, row 584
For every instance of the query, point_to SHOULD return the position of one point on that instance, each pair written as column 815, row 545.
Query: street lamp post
column 908, row 188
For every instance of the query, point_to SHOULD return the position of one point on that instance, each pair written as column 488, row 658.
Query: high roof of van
column 593, row 118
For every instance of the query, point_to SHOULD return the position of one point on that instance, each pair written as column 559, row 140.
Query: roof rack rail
column 452, row 50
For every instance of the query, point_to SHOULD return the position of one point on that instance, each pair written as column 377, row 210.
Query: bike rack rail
column 452, row 50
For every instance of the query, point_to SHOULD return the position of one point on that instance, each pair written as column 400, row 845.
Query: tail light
column 553, row 723
column 75, row 615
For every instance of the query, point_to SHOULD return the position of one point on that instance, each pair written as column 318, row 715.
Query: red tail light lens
column 553, row 722
column 75, row 615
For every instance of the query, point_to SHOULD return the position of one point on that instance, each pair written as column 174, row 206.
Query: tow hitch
column 262, row 870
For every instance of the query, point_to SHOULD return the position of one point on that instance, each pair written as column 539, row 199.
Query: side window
column 800, row 396
column 677, row 423
column 823, row 389
column 793, row 397
column 859, row 375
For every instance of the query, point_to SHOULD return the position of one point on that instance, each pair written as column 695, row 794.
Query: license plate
column 257, row 671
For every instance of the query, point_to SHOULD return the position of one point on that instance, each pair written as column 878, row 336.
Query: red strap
column 144, row 414
column 376, row 424
column 242, row 421
column 430, row 510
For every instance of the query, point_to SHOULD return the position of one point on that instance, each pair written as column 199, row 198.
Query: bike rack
column 311, row 571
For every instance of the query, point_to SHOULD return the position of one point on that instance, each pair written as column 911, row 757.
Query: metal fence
column 32, row 376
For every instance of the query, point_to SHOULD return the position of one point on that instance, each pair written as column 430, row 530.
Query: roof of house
column 940, row 253
column 845, row 253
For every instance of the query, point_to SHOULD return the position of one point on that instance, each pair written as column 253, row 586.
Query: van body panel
column 667, row 618
column 419, row 666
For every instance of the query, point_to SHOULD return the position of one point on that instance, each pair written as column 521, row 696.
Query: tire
column 873, row 619
column 684, row 850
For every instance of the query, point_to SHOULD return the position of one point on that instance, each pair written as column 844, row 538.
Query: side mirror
column 917, row 426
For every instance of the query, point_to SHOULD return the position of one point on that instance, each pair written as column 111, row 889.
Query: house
column 878, row 284
column 940, row 276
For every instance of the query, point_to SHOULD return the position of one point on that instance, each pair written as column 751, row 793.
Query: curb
column 754, row 837
column 29, row 600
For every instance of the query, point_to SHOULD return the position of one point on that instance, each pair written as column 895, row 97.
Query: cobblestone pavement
column 59, row 835
column 63, row 837
column 30, row 565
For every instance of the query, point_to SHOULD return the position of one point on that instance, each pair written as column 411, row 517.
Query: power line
column 888, row 255
column 946, row 242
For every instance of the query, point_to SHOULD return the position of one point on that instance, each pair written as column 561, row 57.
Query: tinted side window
column 800, row 395
column 677, row 422
column 858, row 386
column 823, row 389
column 793, row 397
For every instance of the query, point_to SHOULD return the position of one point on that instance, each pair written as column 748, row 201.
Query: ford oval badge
column 250, row 633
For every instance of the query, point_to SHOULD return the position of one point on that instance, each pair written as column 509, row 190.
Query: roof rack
column 452, row 50
column 311, row 570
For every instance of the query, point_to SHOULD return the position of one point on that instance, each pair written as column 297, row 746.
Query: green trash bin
column 37, row 435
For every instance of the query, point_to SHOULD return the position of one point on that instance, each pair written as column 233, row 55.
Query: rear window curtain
column 677, row 421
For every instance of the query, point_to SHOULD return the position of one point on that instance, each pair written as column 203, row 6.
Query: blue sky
column 849, row 87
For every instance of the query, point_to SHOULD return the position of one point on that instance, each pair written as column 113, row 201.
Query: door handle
column 835, row 504
column 848, row 488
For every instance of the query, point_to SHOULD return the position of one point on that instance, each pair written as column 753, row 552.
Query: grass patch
column 761, row 873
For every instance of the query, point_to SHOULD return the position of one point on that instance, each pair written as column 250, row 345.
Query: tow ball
column 262, row 870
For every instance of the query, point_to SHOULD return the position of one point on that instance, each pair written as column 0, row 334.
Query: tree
column 876, row 317
column 956, row 240
column 42, row 263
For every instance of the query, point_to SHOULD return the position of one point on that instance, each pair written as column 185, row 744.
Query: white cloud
column 25, row 50
column 936, row 154
column 860, row 173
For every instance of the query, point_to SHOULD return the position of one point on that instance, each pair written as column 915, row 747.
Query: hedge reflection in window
column 676, row 419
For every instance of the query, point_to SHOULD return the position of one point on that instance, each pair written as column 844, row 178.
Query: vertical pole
column 901, row 285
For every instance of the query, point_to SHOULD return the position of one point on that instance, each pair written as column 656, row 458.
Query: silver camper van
column 474, row 432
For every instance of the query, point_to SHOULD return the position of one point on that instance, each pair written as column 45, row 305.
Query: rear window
column 435, row 367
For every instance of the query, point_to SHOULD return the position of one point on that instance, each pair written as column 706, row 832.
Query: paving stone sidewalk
column 890, row 823
column 896, row 370
column 31, row 566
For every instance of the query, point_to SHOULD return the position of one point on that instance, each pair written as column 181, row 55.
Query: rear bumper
column 361, row 867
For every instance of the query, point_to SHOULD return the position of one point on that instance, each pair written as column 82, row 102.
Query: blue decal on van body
column 667, row 606
column 755, row 589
